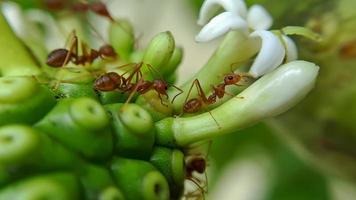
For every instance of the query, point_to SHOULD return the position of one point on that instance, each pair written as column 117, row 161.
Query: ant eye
column 165, row 87
column 230, row 77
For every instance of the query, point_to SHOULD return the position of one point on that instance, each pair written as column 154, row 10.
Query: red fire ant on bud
column 113, row 81
column 61, row 57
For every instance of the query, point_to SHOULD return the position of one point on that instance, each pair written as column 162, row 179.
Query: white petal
column 258, row 18
column 271, row 53
column 279, row 90
column 210, row 7
column 13, row 15
column 291, row 49
column 220, row 25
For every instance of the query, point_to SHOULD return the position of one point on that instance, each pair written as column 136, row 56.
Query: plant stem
column 269, row 96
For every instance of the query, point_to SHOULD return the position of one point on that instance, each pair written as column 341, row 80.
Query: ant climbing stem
column 197, row 163
column 219, row 91
column 196, row 104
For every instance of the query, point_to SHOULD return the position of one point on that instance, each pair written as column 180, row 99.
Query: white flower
column 274, row 49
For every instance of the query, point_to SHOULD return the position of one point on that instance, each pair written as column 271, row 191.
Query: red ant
column 197, row 163
column 98, row 8
column 111, row 81
column 196, row 104
column 61, row 57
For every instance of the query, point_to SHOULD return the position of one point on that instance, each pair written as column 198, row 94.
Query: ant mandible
column 61, row 57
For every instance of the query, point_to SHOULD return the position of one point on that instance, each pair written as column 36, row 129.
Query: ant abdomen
column 57, row 58
column 108, row 82
column 192, row 106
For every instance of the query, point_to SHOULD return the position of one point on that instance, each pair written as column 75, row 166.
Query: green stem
column 236, row 48
column 15, row 59
column 269, row 96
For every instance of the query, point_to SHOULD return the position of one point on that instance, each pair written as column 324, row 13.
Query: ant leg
column 73, row 46
column 228, row 93
column 216, row 122
column 189, row 92
column 132, row 93
column 198, row 185
column 152, row 69
column 180, row 92
column 160, row 97
column 201, row 93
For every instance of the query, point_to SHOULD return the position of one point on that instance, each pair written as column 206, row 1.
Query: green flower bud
column 122, row 38
column 133, row 128
column 152, row 103
column 68, row 90
column 95, row 180
column 22, row 100
column 269, row 96
column 17, row 61
column 74, row 75
column 111, row 97
column 26, row 150
column 111, row 193
column 170, row 162
column 159, row 51
column 137, row 56
column 139, row 180
column 77, row 123
column 173, row 62
column 56, row 186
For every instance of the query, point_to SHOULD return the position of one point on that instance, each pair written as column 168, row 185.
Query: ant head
column 107, row 51
column 232, row 78
column 100, row 9
column 57, row 57
column 197, row 164
column 160, row 86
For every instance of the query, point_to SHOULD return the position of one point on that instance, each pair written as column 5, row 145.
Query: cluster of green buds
column 61, row 138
